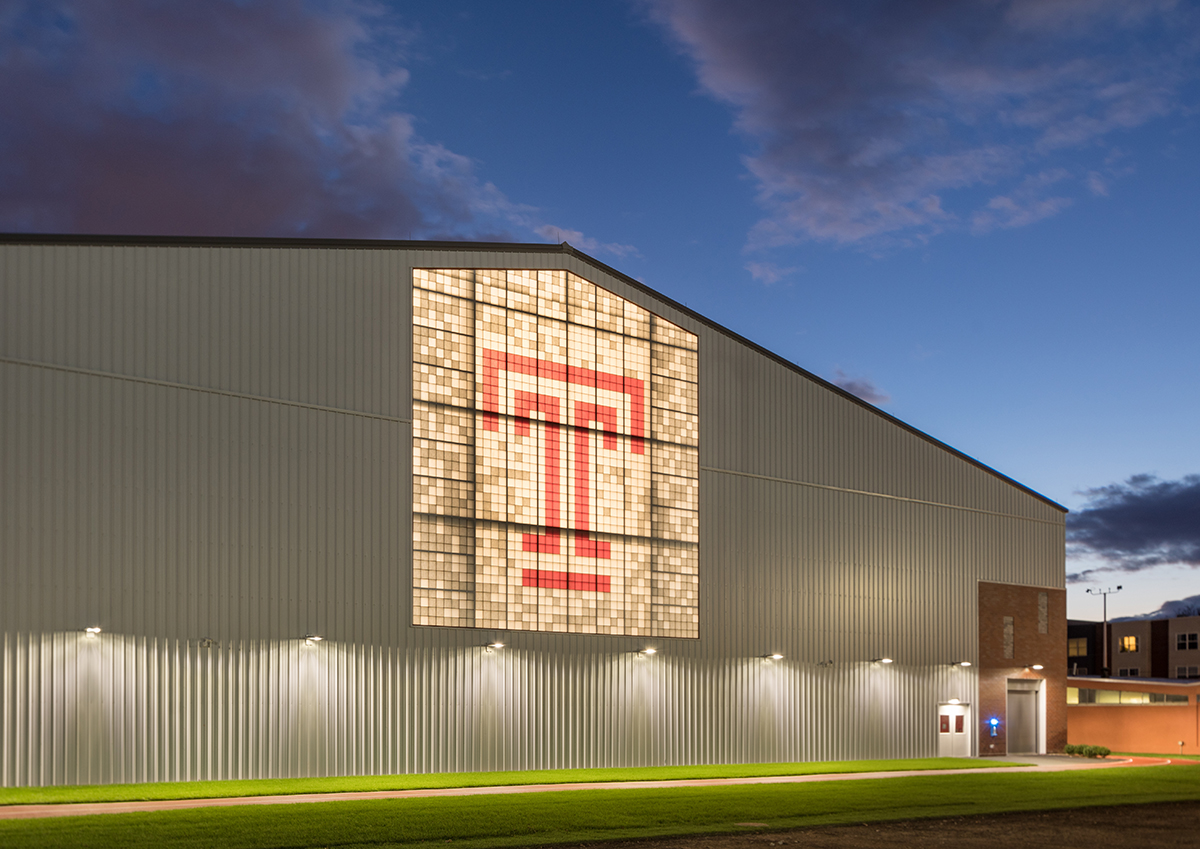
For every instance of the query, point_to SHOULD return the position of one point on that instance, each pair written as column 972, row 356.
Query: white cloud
column 585, row 243
column 769, row 273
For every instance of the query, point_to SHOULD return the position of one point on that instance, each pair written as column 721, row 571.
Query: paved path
column 1045, row 763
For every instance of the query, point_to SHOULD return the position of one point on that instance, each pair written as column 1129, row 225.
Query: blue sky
column 981, row 216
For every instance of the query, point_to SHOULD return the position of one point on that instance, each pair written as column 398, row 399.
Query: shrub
column 1087, row 751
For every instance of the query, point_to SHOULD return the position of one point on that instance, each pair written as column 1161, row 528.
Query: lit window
column 1168, row 698
column 1186, row 642
column 1123, row 697
column 1077, row 647
column 1129, row 644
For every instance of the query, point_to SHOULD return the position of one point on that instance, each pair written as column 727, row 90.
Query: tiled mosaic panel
column 545, row 497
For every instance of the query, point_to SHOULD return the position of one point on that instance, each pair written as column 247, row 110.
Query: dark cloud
column 1189, row 606
column 861, row 387
column 278, row 117
column 867, row 114
column 1135, row 525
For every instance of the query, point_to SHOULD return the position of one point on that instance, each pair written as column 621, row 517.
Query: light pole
column 1104, row 638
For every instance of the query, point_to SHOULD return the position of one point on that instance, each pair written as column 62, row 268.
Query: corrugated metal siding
column 119, row 709
column 318, row 327
column 763, row 419
column 169, row 512
column 215, row 443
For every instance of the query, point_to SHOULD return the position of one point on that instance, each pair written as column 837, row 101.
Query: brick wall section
column 996, row 601
column 1138, row 728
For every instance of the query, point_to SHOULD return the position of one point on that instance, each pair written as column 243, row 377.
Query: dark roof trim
column 502, row 247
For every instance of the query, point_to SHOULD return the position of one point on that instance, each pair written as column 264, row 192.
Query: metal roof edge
column 505, row 247
column 804, row 372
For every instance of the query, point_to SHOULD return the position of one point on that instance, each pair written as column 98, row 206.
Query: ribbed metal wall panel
column 214, row 443
column 119, row 709
column 803, row 432
column 160, row 511
column 317, row 327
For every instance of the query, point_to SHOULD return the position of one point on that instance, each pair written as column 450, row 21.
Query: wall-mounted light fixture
column 881, row 660
column 960, row 663
column 825, row 664
column 775, row 656
column 312, row 639
column 490, row 647
column 92, row 632
column 648, row 652
column 955, row 701
column 1037, row 667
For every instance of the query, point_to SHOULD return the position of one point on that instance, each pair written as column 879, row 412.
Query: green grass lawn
column 578, row 815
column 282, row 786
column 1155, row 755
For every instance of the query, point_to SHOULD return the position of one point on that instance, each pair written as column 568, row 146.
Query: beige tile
column 676, row 363
column 491, row 287
column 458, row 282
column 446, row 424
column 552, row 294
column 674, row 426
column 442, row 312
column 675, row 460
column 682, row 558
column 677, row 395
column 681, row 525
column 610, row 311
column 680, row 493
column 665, row 332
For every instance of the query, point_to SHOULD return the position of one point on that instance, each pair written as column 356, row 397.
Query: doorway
column 1024, row 717
column 954, row 731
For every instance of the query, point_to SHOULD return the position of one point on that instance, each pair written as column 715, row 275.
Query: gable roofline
column 564, row 249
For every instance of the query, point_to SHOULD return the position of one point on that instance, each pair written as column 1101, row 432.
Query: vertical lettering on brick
column 1009, row 638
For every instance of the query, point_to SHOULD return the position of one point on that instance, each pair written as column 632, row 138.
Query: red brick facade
column 1164, row 728
column 1035, row 619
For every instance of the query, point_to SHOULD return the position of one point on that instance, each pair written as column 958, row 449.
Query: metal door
column 954, row 740
column 1022, row 722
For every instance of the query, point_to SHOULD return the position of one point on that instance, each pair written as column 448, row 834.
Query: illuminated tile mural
column 555, row 479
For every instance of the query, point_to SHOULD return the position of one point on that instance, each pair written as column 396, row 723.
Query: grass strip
column 344, row 784
column 475, row 822
column 1155, row 755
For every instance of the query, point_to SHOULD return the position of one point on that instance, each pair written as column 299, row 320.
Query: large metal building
column 291, row 508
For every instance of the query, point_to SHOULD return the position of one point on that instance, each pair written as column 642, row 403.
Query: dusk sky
column 980, row 216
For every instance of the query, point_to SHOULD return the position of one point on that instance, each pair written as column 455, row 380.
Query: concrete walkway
column 1035, row 763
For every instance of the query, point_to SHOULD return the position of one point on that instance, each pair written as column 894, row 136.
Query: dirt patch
column 1169, row 824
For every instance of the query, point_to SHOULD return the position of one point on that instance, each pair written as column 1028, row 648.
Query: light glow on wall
column 555, row 477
